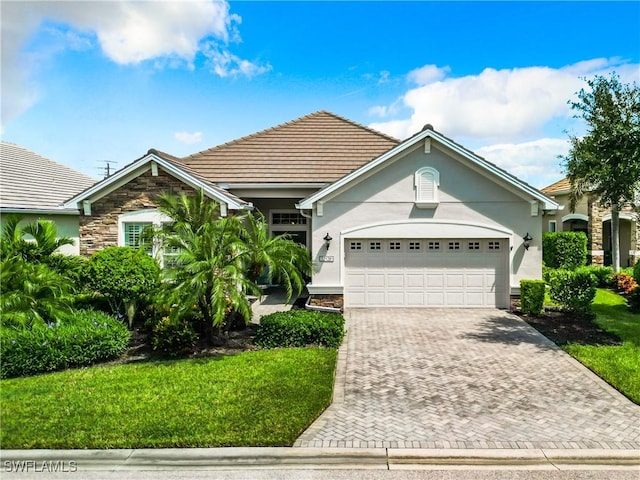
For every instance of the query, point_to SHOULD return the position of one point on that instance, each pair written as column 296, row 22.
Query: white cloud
column 188, row 138
column 535, row 162
column 225, row 64
column 496, row 105
column 169, row 33
column 427, row 74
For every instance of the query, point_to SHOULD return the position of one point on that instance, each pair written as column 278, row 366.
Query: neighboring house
column 595, row 221
column 35, row 187
column 423, row 222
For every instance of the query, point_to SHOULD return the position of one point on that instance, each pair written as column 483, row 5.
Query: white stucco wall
column 67, row 227
column 465, row 197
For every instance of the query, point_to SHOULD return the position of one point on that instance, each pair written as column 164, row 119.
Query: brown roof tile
column 317, row 148
column 563, row 185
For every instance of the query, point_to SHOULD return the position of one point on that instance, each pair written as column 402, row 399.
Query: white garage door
column 426, row 273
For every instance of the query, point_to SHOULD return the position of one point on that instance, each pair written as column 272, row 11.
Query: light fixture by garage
column 327, row 239
column 527, row 240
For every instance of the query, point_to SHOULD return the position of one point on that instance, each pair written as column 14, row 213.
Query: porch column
column 635, row 241
column 596, row 248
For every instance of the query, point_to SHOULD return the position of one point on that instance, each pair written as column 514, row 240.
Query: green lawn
column 618, row 365
column 259, row 398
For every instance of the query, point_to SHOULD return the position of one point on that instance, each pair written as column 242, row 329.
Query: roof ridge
column 288, row 123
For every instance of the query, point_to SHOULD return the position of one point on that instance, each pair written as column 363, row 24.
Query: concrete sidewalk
column 314, row 458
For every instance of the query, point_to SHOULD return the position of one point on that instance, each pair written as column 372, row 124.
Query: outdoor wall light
column 527, row 239
column 327, row 239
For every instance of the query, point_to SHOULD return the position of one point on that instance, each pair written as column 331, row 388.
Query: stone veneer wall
column 100, row 229
column 596, row 214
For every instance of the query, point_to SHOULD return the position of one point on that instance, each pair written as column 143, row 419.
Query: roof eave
column 548, row 203
column 94, row 191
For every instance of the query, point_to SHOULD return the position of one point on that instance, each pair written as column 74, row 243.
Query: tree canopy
column 606, row 160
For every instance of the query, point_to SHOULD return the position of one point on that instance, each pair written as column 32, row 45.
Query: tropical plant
column 32, row 294
column 125, row 276
column 284, row 261
column 605, row 161
column 216, row 257
column 44, row 243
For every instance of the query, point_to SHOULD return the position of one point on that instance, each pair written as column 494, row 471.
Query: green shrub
column 604, row 275
column 636, row 272
column 532, row 296
column 88, row 338
column 70, row 266
column 300, row 328
column 173, row 337
column 633, row 300
column 565, row 250
column 125, row 276
column 574, row 291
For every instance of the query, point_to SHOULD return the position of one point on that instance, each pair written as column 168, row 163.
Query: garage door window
column 414, row 246
column 375, row 246
column 434, row 246
column 395, row 246
column 355, row 246
column 473, row 246
column 494, row 245
column 454, row 245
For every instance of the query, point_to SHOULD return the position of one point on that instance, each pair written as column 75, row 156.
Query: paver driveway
column 443, row 378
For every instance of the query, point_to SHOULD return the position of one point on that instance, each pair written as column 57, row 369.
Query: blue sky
column 86, row 82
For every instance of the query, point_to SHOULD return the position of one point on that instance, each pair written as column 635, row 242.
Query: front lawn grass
column 260, row 398
column 618, row 365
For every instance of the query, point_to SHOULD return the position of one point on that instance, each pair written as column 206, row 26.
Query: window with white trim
column 134, row 236
column 135, row 230
column 427, row 182
column 552, row 225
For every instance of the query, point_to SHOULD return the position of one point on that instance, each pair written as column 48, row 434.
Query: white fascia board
column 138, row 167
column 40, row 211
column 307, row 203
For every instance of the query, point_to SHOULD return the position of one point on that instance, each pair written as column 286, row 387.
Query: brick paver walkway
column 418, row 378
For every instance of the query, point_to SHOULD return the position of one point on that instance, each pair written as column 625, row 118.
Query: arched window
column 427, row 181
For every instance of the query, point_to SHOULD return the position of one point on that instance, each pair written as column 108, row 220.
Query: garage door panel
column 395, row 275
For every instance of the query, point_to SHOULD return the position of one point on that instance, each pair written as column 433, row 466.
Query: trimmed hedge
column 564, row 250
column 574, row 291
column 300, row 328
column 532, row 296
column 89, row 338
column 173, row 337
column 636, row 272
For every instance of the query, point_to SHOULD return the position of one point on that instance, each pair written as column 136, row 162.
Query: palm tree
column 284, row 260
column 45, row 239
column 212, row 269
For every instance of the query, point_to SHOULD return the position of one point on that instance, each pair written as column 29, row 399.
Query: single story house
column 422, row 222
column 35, row 187
column 589, row 217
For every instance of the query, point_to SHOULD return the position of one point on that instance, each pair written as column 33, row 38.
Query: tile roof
column 561, row 186
column 317, row 148
column 32, row 182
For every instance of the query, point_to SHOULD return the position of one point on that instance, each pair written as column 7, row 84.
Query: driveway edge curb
column 233, row 458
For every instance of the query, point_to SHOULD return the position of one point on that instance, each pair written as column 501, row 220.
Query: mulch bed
column 562, row 328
